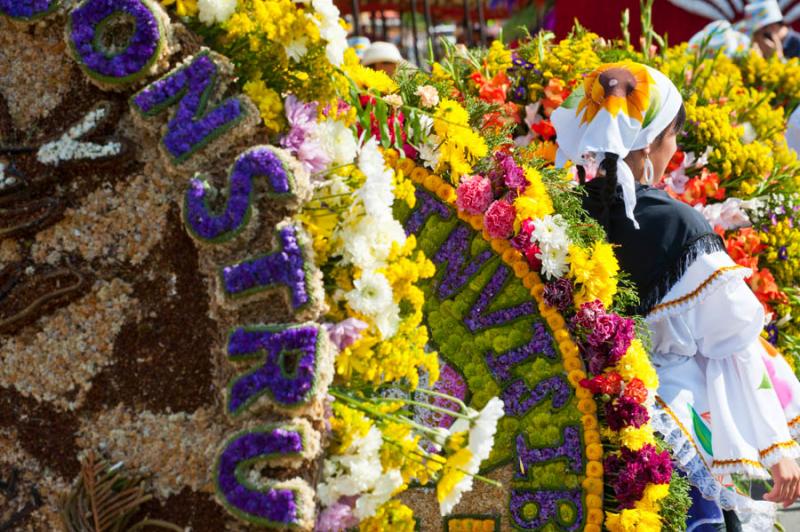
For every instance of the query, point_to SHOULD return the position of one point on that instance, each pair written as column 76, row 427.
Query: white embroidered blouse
column 726, row 403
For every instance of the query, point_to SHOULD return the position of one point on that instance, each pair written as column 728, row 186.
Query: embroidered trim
column 688, row 434
column 740, row 466
column 694, row 293
column 723, row 463
column 781, row 445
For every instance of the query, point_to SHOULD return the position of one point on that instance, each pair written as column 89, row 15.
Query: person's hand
column 786, row 487
column 770, row 44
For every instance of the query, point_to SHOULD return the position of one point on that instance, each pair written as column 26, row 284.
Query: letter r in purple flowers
column 290, row 356
column 193, row 124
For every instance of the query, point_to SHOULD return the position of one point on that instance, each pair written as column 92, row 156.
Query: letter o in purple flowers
column 116, row 41
column 27, row 10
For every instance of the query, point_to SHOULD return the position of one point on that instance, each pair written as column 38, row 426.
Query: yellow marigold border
column 573, row 364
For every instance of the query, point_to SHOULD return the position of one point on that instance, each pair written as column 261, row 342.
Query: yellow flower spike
column 587, row 406
column 594, row 469
column 575, row 376
column 589, row 422
column 594, row 451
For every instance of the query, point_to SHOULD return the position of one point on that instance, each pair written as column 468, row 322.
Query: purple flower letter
column 570, row 449
column 27, row 10
column 193, row 126
column 519, row 398
column 93, row 20
column 283, row 267
column 270, row 505
column 208, row 226
column 545, row 509
column 290, row 356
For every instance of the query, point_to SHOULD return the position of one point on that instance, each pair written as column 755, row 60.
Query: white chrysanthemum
column 367, row 244
column 377, row 191
column 215, row 11
column 338, row 141
column 373, row 297
column 550, row 230
column 429, row 152
column 482, row 427
column 387, row 484
column 355, row 472
column 331, row 30
column 554, row 261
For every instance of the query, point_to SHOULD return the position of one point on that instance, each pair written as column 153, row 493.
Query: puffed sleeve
column 749, row 395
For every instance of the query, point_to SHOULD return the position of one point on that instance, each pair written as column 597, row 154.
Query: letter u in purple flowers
column 27, row 10
column 295, row 367
column 271, row 504
column 193, row 125
column 259, row 162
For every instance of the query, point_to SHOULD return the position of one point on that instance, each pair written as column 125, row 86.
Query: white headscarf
column 621, row 107
column 760, row 13
column 721, row 36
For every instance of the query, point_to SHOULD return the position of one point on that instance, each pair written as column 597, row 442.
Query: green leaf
column 382, row 116
column 398, row 136
column 701, row 431
column 765, row 383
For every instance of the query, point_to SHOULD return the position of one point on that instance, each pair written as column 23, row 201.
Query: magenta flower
column 499, row 219
column 474, row 194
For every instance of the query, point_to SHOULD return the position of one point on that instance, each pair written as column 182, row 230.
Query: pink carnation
column 499, row 219
column 474, row 194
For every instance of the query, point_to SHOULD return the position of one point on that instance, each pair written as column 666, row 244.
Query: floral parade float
column 267, row 287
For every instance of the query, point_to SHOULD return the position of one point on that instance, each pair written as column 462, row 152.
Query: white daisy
column 215, row 11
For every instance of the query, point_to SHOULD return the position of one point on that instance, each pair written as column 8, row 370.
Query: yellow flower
column 269, row 103
column 392, row 515
column 616, row 87
column 653, row 494
column 633, row 521
column 635, row 363
column 454, row 481
column 460, row 145
column 595, row 276
column 347, row 425
column 498, row 59
column 183, row 8
column 634, row 439
column 438, row 73
column 369, row 79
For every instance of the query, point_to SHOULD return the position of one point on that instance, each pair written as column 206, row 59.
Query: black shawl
column 670, row 237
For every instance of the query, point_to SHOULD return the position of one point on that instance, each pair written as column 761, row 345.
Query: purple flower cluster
column 558, row 294
column 286, row 386
column 454, row 252
column 427, row 205
column 302, row 118
column 27, row 9
column 479, row 317
column 547, row 504
column 605, row 337
column 284, row 267
column 512, row 174
column 629, row 472
column 452, row 383
column 518, row 398
column 268, row 507
column 518, row 72
column 212, row 227
column 86, row 24
column 540, row 344
column 570, row 449
column 625, row 412
column 193, row 126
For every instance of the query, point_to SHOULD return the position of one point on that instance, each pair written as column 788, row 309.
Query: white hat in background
column 760, row 13
column 720, row 36
column 381, row 52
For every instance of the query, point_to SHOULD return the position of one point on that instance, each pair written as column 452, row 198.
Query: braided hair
column 608, row 191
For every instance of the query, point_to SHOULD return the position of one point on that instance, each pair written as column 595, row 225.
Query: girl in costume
column 727, row 404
